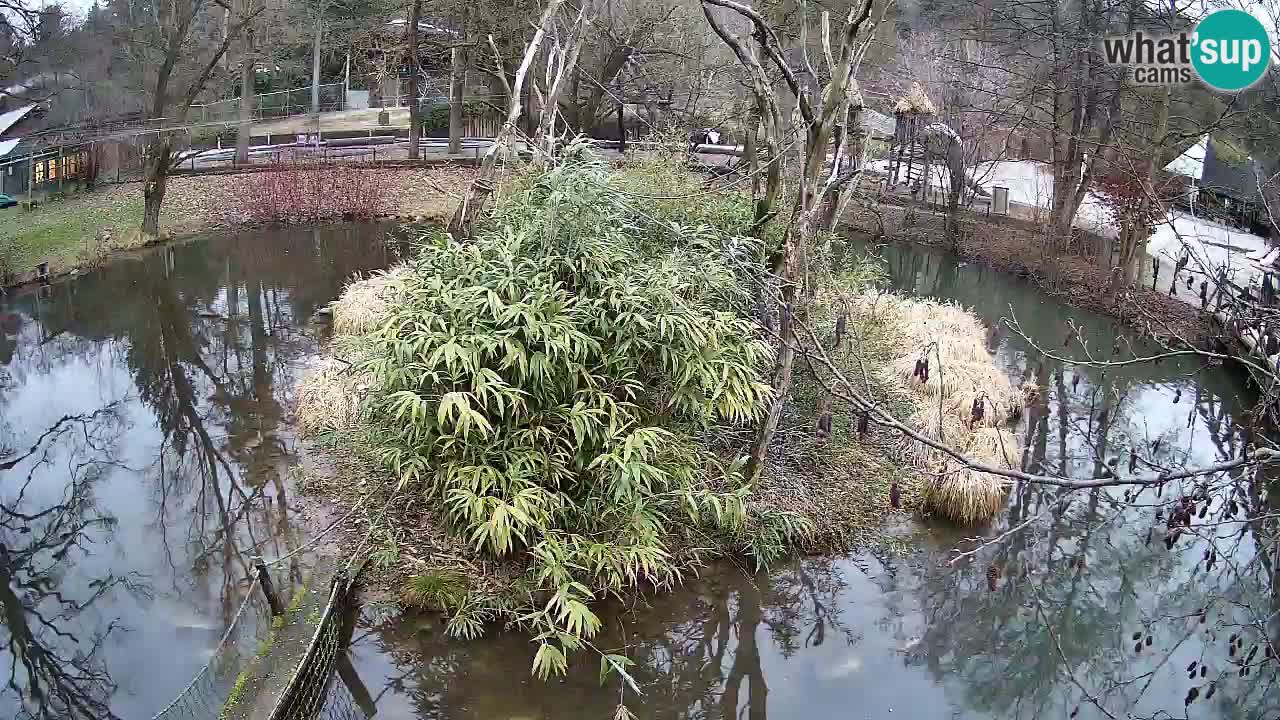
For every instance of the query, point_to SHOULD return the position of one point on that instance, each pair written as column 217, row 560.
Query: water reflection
column 1080, row 610
column 144, row 452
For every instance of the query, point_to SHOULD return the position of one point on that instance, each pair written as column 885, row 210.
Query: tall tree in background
column 412, row 55
column 180, row 45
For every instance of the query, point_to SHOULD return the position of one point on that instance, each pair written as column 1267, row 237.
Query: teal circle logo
column 1231, row 50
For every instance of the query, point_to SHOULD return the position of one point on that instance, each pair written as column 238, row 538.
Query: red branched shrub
column 1135, row 201
column 315, row 191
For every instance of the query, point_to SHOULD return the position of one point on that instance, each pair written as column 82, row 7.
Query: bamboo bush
column 541, row 383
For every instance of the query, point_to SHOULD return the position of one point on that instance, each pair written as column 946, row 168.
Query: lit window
column 40, row 172
column 53, row 169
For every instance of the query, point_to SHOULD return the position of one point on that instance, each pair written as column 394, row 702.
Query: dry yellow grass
column 961, row 372
column 366, row 304
column 328, row 397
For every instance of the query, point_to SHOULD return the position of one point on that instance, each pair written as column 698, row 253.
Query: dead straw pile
column 962, row 399
column 366, row 304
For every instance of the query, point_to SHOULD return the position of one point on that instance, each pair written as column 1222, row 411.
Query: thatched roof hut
column 915, row 102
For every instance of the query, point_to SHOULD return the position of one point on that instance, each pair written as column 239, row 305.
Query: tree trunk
column 155, row 180
column 246, row 100
column 797, row 238
column 622, row 130
column 315, row 62
column 457, row 84
column 478, row 193
column 415, row 107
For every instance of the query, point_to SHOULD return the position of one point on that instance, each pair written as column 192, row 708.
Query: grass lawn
column 63, row 232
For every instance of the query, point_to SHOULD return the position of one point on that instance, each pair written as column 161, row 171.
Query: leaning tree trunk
column 482, row 188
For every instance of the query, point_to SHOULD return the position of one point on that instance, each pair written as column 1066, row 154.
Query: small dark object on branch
column 1192, row 667
column 863, row 421
column 1155, row 446
column 841, row 324
column 1148, row 542
column 1067, row 341
column 1249, row 658
column 1177, row 396
column 924, row 370
column 1133, row 459
column 1213, row 686
column 1192, row 694
column 1137, row 635
column 1075, row 380
column 993, row 576
column 978, row 410
column 1204, row 511
column 895, row 496
column 1074, row 712
column 1204, row 670
column 1137, row 647
column 919, row 369
column 1149, row 641
column 1231, row 650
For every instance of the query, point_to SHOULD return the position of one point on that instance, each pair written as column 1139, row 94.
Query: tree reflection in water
column 202, row 343
column 1079, row 607
column 50, row 638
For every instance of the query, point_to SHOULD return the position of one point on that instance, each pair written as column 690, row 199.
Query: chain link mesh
column 339, row 703
column 308, row 695
column 207, row 693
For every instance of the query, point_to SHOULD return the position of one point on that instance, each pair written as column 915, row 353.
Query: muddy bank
column 1014, row 247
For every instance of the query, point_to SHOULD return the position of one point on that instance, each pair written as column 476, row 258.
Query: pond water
column 144, row 457
column 1078, row 614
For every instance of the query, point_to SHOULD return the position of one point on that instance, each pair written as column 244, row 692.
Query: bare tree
column 824, row 109
column 181, row 46
column 482, row 187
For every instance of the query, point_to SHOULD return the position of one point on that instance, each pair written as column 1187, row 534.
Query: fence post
column 264, row 578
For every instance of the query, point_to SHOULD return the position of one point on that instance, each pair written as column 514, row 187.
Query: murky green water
column 1050, row 630
column 124, row 534
column 144, row 452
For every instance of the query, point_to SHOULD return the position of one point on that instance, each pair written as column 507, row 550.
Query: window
column 40, row 172
column 53, row 169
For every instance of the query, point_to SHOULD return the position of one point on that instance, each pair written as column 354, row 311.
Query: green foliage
column 436, row 590
column 540, row 383
column 387, row 554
